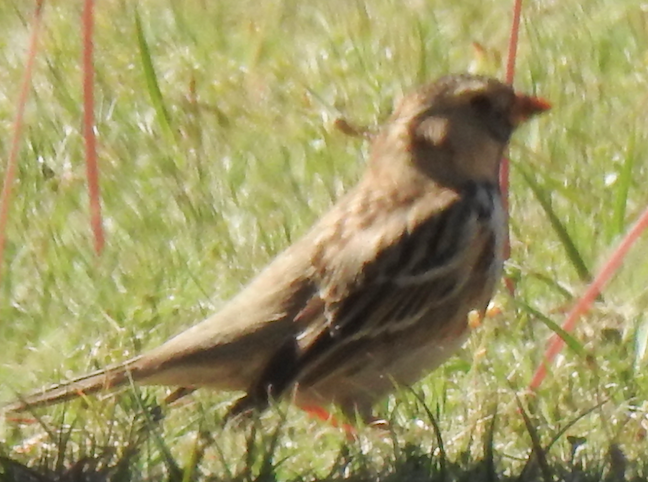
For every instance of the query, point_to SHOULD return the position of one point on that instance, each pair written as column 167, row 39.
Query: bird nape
column 377, row 293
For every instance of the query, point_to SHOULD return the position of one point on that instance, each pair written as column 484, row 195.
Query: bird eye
column 482, row 103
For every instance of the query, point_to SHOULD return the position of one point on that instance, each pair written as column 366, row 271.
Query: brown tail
column 101, row 380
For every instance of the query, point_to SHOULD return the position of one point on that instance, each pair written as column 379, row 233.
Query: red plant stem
column 12, row 163
column 556, row 343
column 88, row 128
column 505, row 165
column 513, row 41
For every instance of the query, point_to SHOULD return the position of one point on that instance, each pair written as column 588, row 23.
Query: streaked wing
column 430, row 272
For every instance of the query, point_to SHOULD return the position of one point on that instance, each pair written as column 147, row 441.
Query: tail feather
column 101, row 380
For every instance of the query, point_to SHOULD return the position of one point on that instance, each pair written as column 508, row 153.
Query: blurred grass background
column 246, row 157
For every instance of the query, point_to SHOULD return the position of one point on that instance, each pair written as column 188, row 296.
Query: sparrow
column 377, row 293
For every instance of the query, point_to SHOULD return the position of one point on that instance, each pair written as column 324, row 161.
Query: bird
column 377, row 293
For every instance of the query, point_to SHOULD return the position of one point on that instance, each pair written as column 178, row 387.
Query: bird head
column 455, row 130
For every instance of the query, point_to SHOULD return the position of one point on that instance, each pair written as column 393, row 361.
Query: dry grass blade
column 489, row 447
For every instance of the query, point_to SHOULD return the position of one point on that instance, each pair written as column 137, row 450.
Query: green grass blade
column 553, row 284
column 152, row 84
column 538, row 455
column 573, row 253
column 422, row 72
column 641, row 342
column 569, row 340
column 623, row 183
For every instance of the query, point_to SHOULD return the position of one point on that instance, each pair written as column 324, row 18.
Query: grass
column 234, row 154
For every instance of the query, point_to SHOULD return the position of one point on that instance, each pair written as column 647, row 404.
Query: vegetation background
column 203, row 186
